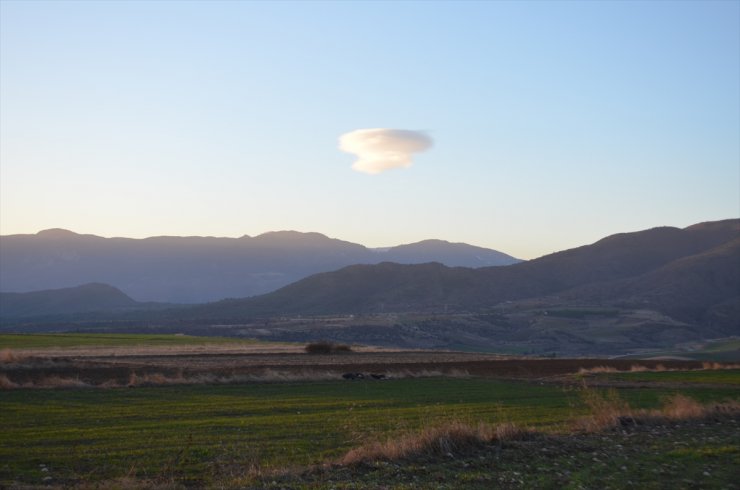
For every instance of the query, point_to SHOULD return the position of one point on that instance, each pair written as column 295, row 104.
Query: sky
column 527, row 127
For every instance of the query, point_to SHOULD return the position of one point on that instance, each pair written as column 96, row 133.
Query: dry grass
column 718, row 366
column 452, row 438
column 6, row 384
column 159, row 379
column 129, row 483
column 598, row 370
column 263, row 376
column 606, row 410
column 609, row 411
column 640, row 368
column 59, row 382
column 681, row 407
column 635, row 368
column 8, row 356
column 46, row 382
column 511, row 432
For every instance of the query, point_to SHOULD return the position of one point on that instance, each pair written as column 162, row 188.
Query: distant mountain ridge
column 201, row 269
column 688, row 273
column 81, row 299
column 627, row 293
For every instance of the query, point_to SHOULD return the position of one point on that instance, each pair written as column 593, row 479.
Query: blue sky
column 553, row 123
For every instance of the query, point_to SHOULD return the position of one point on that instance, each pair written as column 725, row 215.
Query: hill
column 80, row 299
column 658, row 290
column 201, row 269
column 657, row 267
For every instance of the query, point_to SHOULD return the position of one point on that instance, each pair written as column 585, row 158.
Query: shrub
column 6, row 383
column 681, row 407
column 326, row 347
column 8, row 356
column 597, row 370
column 606, row 411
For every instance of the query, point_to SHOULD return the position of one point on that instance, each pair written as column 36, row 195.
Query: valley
column 172, row 411
column 658, row 290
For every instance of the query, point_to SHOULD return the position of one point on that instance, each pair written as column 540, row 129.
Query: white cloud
column 381, row 149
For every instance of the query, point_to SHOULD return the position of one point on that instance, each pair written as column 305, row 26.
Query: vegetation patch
column 452, row 438
column 244, row 435
column 36, row 341
column 582, row 312
column 729, row 376
column 326, row 347
column 683, row 444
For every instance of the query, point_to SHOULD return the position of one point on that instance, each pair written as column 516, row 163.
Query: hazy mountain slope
column 433, row 287
column 199, row 269
column 700, row 288
column 80, row 299
column 449, row 254
column 615, row 257
column 357, row 289
column 690, row 287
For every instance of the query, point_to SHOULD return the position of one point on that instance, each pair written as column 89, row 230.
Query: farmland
column 35, row 341
column 181, row 428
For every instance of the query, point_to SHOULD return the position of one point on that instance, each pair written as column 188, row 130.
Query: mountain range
column 201, row 269
column 642, row 290
column 691, row 274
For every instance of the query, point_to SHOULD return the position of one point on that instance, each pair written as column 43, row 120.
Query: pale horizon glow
column 555, row 124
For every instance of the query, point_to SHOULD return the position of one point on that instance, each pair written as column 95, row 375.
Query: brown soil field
column 121, row 366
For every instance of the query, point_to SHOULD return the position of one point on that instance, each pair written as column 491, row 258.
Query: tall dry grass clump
column 714, row 366
column 8, row 356
column 6, row 383
column 598, row 370
column 444, row 440
column 509, row 431
column 681, row 407
column 638, row 368
column 606, row 410
column 635, row 368
column 60, row 382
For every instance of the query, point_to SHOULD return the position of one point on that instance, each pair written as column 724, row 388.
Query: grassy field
column 710, row 376
column 720, row 350
column 208, row 435
column 39, row 341
column 690, row 455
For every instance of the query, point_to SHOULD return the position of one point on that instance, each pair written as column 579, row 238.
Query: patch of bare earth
column 108, row 367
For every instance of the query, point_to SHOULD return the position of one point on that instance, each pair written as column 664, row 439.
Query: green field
column 37, row 341
column 720, row 350
column 198, row 434
column 709, row 376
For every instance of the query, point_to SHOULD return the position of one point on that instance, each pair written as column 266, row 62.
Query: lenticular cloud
column 380, row 149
